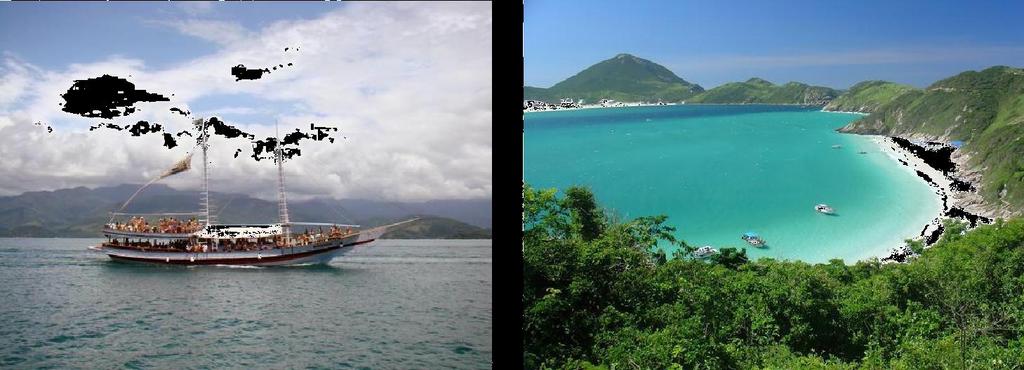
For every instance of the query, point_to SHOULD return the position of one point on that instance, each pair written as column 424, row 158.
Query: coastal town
column 569, row 104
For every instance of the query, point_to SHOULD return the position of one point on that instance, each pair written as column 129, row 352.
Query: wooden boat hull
column 315, row 254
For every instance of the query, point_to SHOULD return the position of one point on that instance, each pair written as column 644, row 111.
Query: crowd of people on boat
column 314, row 236
column 145, row 245
column 239, row 245
column 167, row 225
column 307, row 237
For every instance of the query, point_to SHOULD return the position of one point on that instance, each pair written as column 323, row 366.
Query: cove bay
column 719, row 171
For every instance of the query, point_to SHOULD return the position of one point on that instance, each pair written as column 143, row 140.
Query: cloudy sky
column 407, row 84
column 830, row 43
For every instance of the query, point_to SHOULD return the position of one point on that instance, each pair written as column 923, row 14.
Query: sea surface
column 718, row 171
column 394, row 304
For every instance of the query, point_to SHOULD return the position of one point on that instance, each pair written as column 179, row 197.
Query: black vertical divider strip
column 507, row 170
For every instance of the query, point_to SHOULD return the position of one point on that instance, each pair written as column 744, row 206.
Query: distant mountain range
column 984, row 109
column 759, row 91
column 627, row 78
column 80, row 212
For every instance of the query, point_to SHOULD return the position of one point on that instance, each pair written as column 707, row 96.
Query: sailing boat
column 200, row 241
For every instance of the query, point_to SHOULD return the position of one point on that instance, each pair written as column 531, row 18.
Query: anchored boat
column 196, row 240
column 753, row 239
column 705, row 252
column 824, row 208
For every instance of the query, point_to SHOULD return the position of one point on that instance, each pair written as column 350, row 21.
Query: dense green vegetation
column 985, row 109
column 759, row 91
column 623, row 78
column 596, row 296
column 867, row 96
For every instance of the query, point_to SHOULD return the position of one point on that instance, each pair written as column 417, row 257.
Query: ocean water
column 395, row 304
column 718, row 171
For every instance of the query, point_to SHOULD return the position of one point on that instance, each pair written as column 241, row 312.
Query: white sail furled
column 181, row 166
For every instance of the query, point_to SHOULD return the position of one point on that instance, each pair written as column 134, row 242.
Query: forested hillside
column 760, row 91
column 985, row 109
column 596, row 296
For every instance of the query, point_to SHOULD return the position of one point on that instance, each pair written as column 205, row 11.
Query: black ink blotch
column 242, row 73
column 105, row 97
column 228, row 131
column 169, row 141
column 143, row 127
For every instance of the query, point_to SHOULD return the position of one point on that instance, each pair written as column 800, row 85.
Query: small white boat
column 837, row 146
column 705, row 252
column 824, row 208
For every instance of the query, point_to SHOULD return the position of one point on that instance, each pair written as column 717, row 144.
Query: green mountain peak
column 624, row 77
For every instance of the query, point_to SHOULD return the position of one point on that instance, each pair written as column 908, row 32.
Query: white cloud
column 220, row 32
column 407, row 84
column 237, row 110
column 195, row 8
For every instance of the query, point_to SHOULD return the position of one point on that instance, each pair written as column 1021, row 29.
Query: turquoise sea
column 718, row 171
column 394, row 304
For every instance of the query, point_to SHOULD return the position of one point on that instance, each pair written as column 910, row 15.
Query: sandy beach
column 839, row 111
column 941, row 183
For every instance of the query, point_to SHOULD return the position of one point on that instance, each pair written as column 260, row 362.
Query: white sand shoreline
column 941, row 184
column 839, row 111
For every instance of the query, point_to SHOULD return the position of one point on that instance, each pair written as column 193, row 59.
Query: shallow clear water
column 718, row 171
column 392, row 304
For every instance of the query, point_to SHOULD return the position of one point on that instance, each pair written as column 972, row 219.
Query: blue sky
column 54, row 35
column 829, row 43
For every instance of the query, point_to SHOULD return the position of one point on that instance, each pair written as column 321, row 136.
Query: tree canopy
column 613, row 299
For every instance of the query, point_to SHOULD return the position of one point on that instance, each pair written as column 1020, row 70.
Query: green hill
column 984, row 109
column 623, row 78
column 759, row 91
column 430, row 227
column 867, row 96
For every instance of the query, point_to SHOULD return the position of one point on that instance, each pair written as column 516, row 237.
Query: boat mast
column 204, row 202
column 282, row 202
